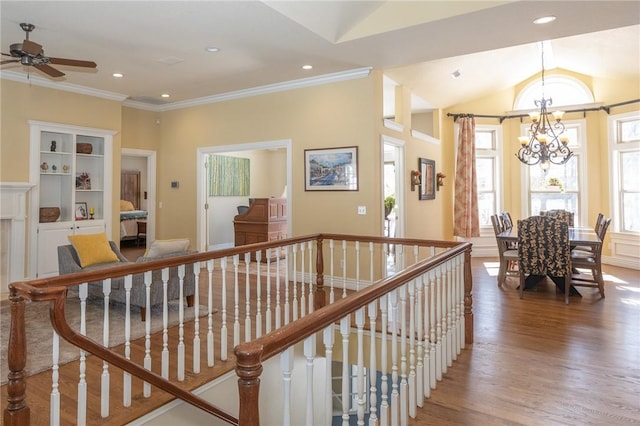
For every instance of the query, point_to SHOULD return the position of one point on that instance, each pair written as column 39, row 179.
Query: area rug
column 39, row 331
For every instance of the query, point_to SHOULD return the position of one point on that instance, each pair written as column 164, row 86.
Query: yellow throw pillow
column 93, row 249
column 162, row 247
column 126, row 206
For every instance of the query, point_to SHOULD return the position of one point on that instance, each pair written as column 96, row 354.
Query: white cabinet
column 71, row 169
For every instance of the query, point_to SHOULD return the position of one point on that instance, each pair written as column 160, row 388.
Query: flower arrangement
column 555, row 182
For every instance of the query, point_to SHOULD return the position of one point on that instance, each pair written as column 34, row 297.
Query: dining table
column 578, row 237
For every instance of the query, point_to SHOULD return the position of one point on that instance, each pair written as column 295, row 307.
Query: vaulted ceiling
column 160, row 46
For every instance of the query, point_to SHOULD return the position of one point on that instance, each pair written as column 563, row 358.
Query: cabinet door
column 89, row 227
column 48, row 241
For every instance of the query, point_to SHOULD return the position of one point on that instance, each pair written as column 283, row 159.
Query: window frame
column 580, row 151
column 615, row 149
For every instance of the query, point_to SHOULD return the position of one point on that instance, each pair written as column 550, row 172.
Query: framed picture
column 331, row 169
column 81, row 211
column 83, row 181
column 428, row 184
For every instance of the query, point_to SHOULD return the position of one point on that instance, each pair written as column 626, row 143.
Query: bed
column 130, row 213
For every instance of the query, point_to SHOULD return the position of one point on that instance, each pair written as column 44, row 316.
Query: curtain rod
column 606, row 108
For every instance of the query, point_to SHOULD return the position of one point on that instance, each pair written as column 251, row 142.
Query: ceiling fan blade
column 51, row 71
column 32, row 48
column 9, row 61
column 5, row 54
column 72, row 62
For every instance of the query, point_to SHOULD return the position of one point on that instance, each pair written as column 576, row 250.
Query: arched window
column 564, row 90
column 541, row 193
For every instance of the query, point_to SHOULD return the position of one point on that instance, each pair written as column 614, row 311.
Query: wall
column 332, row 115
column 21, row 102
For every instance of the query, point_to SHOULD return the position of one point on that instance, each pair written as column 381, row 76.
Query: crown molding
column 238, row 94
column 271, row 88
column 60, row 85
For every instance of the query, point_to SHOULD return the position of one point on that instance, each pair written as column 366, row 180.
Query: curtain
column 465, row 209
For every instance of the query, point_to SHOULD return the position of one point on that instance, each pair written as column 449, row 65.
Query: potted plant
column 389, row 204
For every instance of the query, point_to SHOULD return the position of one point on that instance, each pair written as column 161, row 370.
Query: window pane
column 543, row 201
column 485, row 173
column 486, row 207
column 484, row 140
column 630, row 161
column 572, row 134
column 567, row 174
column 631, row 209
column 629, row 131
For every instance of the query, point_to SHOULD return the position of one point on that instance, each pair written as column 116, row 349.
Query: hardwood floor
column 535, row 361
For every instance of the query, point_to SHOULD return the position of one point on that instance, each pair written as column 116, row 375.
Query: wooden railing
column 358, row 277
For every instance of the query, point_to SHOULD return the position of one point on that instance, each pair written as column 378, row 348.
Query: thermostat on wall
column 175, row 184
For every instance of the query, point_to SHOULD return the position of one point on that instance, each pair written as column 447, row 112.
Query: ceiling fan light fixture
column 544, row 20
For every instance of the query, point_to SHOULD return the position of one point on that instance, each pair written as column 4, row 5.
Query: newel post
column 319, row 299
column 249, row 370
column 468, row 299
column 17, row 411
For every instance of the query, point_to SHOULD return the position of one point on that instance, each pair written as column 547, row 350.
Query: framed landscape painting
column 331, row 169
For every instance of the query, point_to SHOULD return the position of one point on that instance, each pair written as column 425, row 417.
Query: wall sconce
column 415, row 179
column 440, row 176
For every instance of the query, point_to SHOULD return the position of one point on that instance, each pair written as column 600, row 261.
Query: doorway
column 393, row 185
column 145, row 162
column 207, row 219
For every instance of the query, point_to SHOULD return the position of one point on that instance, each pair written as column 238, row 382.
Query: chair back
column 564, row 215
column 543, row 246
column 506, row 220
column 497, row 224
column 602, row 231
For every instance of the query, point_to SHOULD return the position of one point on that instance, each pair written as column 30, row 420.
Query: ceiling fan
column 30, row 53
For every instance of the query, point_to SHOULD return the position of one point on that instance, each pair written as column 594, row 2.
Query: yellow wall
column 21, row 102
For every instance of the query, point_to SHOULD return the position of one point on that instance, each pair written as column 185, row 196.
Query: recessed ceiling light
column 117, row 75
column 165, row 95
column 455, row 74
column 307, row 67
column 212, row 49
column 544, row 20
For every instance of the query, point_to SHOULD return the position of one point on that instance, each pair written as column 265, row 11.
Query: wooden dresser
column 266, row 220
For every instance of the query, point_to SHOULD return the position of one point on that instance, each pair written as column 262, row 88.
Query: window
column 488, row 166
column 624, row 145
column 562, row 186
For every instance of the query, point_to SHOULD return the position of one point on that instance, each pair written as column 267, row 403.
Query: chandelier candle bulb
column 558, row 115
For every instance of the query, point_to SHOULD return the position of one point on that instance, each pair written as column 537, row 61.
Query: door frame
column 151, row 157
column 398, row 145
column 202, row 224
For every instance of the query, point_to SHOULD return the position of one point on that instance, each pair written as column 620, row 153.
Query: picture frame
column 428, row 184
column 331, row 169
column 83, row 181
column 81, row 211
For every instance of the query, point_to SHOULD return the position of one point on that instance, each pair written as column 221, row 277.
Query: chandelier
column 544, row 144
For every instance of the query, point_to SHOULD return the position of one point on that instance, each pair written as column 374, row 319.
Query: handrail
column 251, row 355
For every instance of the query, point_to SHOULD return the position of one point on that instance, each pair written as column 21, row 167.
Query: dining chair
column 543, row 249
column 506, row 220
column 508, row 257
column 563, row 215
column 597, row 229
column 590, row 260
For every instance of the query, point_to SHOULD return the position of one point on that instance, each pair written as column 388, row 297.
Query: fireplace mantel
column 13, row 215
